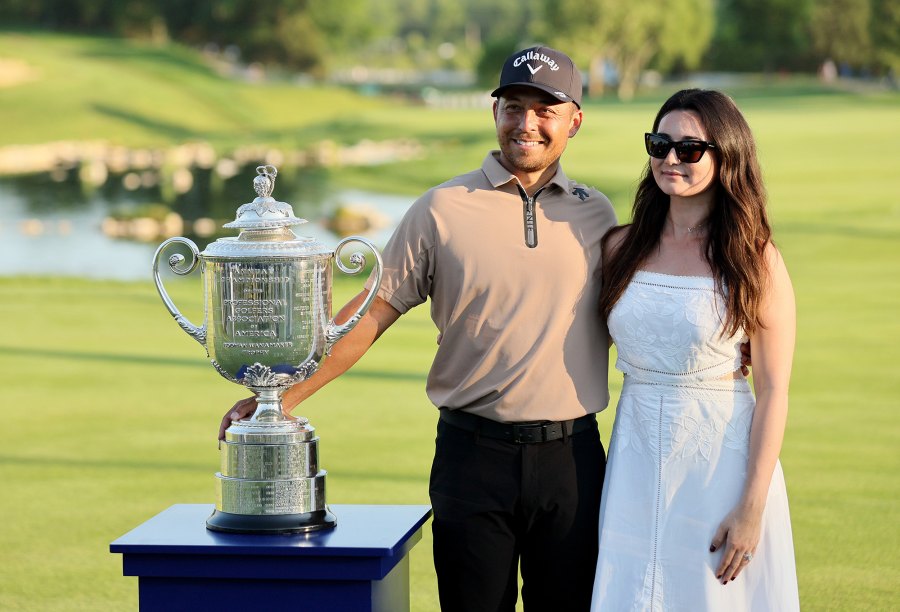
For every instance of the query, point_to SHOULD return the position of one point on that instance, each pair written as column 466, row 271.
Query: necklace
column 696, row 227
column 691, row 229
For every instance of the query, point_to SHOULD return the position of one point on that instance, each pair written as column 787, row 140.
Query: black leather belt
column 528, row 432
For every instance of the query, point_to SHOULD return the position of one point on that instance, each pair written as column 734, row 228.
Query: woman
column 694, row 513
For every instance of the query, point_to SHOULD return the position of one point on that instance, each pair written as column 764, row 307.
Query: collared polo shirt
column 521, row 336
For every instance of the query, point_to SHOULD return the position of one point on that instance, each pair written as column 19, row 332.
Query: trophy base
column 271, row 523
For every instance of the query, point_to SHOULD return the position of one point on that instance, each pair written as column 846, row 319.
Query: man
column 507, row 254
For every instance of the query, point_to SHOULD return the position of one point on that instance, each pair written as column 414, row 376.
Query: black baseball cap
column 546, row 69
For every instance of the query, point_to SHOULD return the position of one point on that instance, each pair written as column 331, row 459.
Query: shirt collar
column 498, row 176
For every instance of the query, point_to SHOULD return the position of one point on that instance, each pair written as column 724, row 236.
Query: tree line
column 613, row 41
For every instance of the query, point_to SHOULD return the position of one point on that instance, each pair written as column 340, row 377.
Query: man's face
column 533, row 128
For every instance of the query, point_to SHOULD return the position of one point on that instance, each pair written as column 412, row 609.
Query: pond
column 62, row 225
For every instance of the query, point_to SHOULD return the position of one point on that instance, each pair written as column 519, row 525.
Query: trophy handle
column 333, row 331
column 175, row 263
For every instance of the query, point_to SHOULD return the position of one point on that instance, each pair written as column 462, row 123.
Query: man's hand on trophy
column 746, row 361
column 241, row 409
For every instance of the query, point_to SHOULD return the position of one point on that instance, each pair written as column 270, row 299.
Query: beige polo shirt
column 522, row 339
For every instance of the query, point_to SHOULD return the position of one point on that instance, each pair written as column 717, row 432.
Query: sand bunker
column 15, row 72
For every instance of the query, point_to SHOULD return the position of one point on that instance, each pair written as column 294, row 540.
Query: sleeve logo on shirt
column 581, row 193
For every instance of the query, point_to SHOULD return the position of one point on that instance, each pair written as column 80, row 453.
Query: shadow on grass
column 119, row 464
column 154, row 360
column 369, row 477
column 840, row 231
column 103, row 464
column 171, row 130
column 163, row 60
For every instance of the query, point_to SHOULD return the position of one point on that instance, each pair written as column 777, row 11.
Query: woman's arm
column 773, row 351
column 610, row 245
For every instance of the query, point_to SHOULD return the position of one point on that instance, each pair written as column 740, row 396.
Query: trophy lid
column 265, row 227
column 265, row 212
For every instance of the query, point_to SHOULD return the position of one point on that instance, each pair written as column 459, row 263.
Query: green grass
column 112, row 418
column 138, row 94
column 111, row 410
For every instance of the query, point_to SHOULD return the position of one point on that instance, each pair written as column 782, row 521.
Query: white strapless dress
column 678, row 461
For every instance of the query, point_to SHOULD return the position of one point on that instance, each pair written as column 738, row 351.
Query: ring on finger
column 747, row 556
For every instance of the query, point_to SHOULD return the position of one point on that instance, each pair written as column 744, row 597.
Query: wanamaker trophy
column 267, row 326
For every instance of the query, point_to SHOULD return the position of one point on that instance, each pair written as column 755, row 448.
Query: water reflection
column 59, row 224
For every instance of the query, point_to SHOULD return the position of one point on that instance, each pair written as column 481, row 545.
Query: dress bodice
column 668, row 329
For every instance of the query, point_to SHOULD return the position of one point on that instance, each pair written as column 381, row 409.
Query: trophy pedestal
column 362, row 565
column 270, row 480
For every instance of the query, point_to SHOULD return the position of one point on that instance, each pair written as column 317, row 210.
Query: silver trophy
column 267, row 326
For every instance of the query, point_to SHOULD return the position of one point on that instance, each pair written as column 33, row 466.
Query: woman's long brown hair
column 737, row 229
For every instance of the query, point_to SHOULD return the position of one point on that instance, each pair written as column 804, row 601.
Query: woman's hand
column 242, row 409
column 737, row 537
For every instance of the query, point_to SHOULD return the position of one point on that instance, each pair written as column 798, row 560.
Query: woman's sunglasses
column 688, row 151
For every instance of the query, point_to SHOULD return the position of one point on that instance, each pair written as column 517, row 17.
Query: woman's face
column 677, row 178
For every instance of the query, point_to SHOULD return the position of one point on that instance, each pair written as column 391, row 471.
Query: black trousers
column 498, row 504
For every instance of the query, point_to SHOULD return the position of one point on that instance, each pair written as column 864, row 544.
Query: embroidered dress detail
column 678, row 460
column 668, row 330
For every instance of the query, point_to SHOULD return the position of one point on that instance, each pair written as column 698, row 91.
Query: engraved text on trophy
column 267, row 312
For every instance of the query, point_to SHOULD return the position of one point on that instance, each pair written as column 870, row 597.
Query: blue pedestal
column 359, row 566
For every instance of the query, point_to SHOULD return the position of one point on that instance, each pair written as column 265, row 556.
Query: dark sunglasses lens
column 657, row 146
column 690, row 152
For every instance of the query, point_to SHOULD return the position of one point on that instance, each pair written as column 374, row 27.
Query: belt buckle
column 527, row 434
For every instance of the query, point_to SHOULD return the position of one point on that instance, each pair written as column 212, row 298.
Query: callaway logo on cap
column 544, row 68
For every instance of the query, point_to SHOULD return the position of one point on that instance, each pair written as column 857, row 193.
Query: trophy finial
column 264, row 183
column 264, row 212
